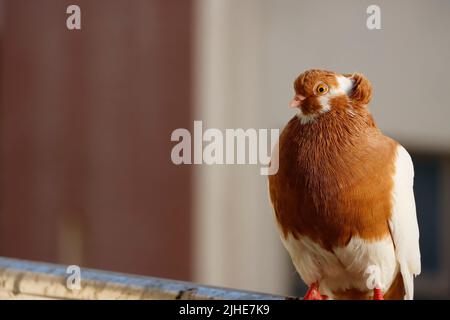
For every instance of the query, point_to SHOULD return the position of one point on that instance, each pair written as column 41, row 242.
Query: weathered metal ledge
column 21, row 279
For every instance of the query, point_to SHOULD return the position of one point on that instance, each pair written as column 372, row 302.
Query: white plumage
column 403, row 223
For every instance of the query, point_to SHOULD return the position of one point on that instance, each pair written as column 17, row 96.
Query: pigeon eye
column 321, row 88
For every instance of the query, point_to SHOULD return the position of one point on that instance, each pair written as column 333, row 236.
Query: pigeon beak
column 296, row 101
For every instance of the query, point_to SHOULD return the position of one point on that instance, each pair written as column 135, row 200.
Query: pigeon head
column 319, row 91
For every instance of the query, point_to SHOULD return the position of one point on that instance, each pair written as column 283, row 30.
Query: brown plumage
column 334, row 184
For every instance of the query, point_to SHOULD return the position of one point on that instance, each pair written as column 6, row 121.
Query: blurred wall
column 85, row 124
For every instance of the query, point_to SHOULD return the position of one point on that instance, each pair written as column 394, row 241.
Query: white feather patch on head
column 324, row 102
column 345, row 84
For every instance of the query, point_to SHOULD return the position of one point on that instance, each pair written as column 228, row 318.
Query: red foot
column 313, row 293
column 377, row 294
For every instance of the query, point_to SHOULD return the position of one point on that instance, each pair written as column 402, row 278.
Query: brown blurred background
column 85, row 167
column 86, row 117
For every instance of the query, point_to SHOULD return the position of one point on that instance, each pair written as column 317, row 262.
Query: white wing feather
column 403, row 222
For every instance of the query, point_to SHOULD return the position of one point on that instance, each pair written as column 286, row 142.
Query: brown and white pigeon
column 343, row 194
